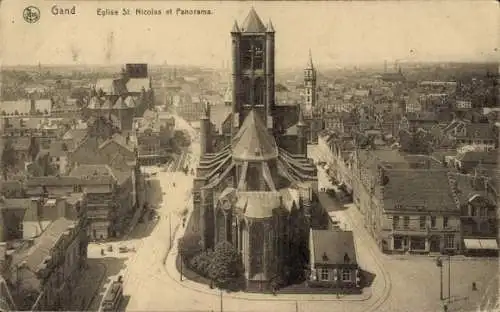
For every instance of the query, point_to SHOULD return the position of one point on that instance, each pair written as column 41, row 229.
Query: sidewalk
column 171, row 270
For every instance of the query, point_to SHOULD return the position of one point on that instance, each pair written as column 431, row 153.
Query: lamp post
column 439, row 263
column 182, row 260
column 449, row 278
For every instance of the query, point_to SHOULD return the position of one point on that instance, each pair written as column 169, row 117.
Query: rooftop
column 333, row 247
column 253, row 141
column 252, row 23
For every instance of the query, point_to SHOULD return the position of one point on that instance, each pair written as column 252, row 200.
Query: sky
column 338, row 33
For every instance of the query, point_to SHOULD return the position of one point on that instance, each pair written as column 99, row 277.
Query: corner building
column 252, row 191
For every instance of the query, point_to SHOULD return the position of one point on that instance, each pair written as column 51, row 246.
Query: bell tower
column 310, row 85
column 253, row 70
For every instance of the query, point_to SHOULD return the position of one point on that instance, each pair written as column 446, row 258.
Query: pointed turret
column 301, row 134
column 301, row 118
column 235, row 29
column 310, row 64
column 205, row 131
column 270, row 27
column 253, row 23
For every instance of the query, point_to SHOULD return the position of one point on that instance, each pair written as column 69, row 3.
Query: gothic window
column 259, row 91
column 220, row 226
column 247, row 87
column 242, row 226
column 246, row 51
column 253, row 178
column 258, row 50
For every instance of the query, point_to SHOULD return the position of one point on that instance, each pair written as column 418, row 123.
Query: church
column 255, row 186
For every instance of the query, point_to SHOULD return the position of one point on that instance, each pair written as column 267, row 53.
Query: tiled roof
column 24, row 106
column 258, row 204
column 76, row 135
column 91, row 171
column 252, row 23
column 56, row 149
column 120, row 104
column 253, row 142
column 47, row 240
column 333, row 247
column 466, row 187
column 136, row 85
column 68, row 181
column 14, row 203
column 486, row 157
column 479, row 131
column 130, row 101
column 106, row 85
column 21, row 143
column 410, row 189
column 94, row 103
column 120, row 140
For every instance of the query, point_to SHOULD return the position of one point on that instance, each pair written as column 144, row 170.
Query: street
column 152, row 282
column 414, row 280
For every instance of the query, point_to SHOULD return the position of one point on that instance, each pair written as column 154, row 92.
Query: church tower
column 253, row 70
column 310, row 85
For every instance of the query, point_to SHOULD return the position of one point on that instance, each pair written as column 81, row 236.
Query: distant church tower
column 310, row 85
column 252, row 70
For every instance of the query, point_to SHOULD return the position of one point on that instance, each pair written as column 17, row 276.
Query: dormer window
column 346, row 258
column 325, row 257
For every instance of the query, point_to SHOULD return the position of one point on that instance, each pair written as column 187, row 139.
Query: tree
column 226, row 266
column 189, row 246
column 33, row 149
column 42, row 167
column 9, row 159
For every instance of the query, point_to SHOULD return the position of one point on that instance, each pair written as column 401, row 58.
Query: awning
column 490, row 244
column 472, row 244
column 484, row 244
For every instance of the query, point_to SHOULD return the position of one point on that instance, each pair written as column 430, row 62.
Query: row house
column 111, row 195
column 43, row 271
column 337, row 148
column 44, row 129
column 466, row 161
column 153, row 135
column 406, row 209
column 467, row 133
column 478, row 204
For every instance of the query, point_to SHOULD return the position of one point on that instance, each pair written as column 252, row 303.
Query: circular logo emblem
column 31, row 14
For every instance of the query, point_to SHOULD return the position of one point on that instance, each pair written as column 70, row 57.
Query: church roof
column 253, row 23
column 253, row 142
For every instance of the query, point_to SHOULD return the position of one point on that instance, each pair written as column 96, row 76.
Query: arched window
column 259, row 91
column 247, row 89
column 253, row 178
column 220, row 222
column 242, row 229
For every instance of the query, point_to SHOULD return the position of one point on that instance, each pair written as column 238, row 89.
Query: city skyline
column 338, row 33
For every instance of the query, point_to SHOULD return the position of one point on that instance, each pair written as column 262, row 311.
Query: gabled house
column 479, row 220
column 333, row 260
